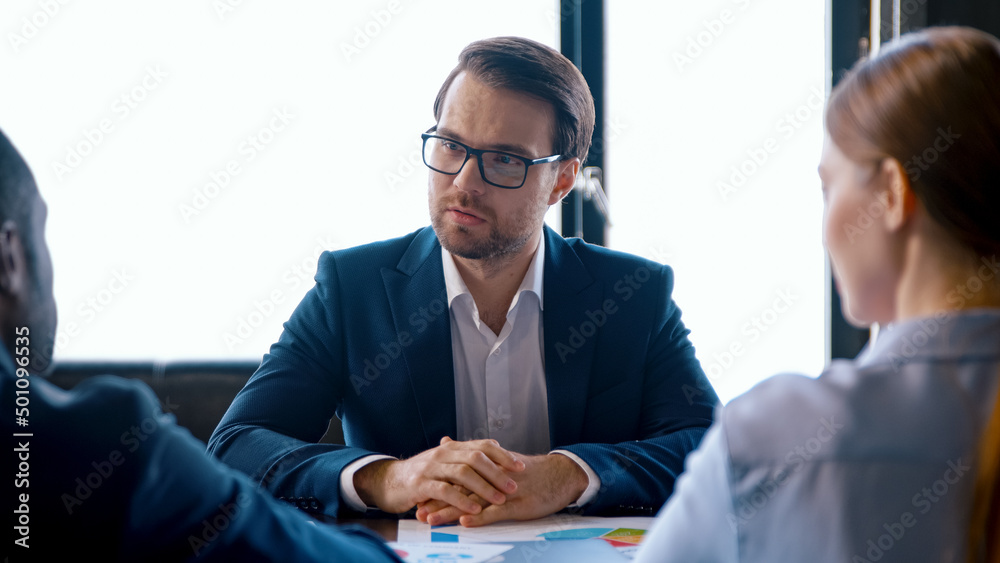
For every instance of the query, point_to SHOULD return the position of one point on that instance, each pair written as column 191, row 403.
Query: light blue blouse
column 872, row 461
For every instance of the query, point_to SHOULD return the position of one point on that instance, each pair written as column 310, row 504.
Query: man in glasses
column 484, row 369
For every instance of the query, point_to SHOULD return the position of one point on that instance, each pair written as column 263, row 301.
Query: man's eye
column 500, row 159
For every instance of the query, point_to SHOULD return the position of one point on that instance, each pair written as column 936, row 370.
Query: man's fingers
column 489, row 515
column 430, row 507
column 492, row 449
column 477, row 467
column 442, row 513
column 478, row 476
column 445, row 512
column 445, row 492
column 472, row 468
column 444, row 516
column 504, row 458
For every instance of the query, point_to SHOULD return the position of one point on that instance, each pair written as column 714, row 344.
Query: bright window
column 714, row 130
column 198, row 156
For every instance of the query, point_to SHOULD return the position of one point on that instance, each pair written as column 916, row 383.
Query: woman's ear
column 896, row 193
column 13, row 274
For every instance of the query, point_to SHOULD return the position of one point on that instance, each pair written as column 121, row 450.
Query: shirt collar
column 532, row 281
column 950, row 335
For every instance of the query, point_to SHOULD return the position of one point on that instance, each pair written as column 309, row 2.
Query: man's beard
column 500, row 241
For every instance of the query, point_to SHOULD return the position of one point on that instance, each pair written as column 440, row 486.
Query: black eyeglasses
column 500, row 169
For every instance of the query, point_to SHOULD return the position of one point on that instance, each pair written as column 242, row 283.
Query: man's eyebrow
column 504, row 147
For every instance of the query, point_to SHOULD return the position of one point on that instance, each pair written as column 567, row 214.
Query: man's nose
column 469, row 178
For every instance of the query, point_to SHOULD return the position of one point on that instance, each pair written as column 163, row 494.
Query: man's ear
column 896, row 194
column 566, row 179
column 13, row 275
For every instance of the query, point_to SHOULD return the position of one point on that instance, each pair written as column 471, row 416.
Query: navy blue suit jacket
column 371, row 344
column 104, row 473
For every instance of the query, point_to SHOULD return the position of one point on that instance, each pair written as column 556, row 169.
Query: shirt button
column 500, row 423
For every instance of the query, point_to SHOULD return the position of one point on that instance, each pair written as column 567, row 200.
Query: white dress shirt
column 500, row 378
column 500, row 390
column 872, row 461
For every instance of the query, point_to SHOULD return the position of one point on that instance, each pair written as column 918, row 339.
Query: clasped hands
column 475, row 482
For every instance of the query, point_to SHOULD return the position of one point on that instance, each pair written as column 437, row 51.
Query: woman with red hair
column 892, row 456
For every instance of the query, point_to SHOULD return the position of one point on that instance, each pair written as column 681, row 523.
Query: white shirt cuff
column 593, row 481
column 347, row 491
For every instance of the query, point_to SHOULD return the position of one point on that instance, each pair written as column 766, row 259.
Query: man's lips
column 465, row 216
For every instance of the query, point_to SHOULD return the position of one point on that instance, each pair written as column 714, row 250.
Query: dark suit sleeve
column 676, row 408
column 113, row 476
column 271, row 430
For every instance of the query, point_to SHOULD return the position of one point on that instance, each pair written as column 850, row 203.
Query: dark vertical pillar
column 980, row 14
column 850, row 23
column 582, row 41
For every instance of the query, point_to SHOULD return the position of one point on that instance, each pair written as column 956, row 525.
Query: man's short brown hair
column 526, row 66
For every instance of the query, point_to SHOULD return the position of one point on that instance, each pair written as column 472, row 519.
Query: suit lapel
column 569, row 291
column 419, row 304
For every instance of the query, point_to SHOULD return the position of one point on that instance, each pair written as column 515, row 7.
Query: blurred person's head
column 27, row 307
column 911, row 171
